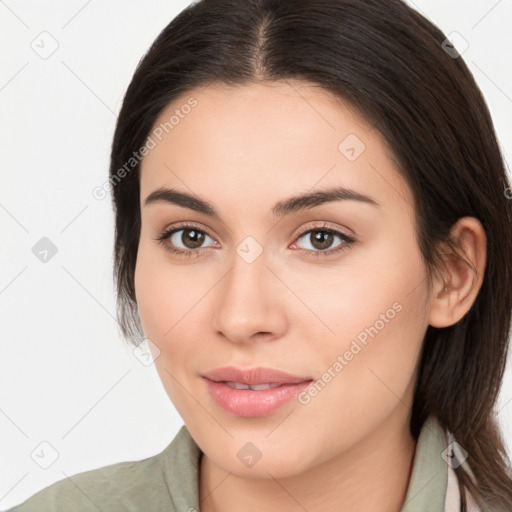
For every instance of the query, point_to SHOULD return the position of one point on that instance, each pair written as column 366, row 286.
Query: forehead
column 268, row 137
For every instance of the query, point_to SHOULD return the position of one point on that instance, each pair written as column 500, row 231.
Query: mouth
column 254, row 387
column 254, row 392
column 239, row 378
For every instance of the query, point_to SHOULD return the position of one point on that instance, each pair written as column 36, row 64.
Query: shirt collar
column 428, row 481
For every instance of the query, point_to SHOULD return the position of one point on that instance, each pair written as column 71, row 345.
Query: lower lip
column 251, row 403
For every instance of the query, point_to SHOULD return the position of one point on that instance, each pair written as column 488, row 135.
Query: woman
column 314, row 236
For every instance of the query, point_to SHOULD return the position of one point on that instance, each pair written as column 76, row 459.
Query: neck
column 372, row 476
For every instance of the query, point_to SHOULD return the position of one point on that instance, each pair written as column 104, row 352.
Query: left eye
column 321, row 239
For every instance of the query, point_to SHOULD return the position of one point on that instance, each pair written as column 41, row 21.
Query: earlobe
column 456, row 289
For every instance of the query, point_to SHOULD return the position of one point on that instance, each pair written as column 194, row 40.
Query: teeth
column 255, row 387
column 237, row 385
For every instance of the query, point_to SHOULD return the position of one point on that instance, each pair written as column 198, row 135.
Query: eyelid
column 328, row 226
column 347, row 240
column 191, row 226
column 307, row 227
column 185, row 225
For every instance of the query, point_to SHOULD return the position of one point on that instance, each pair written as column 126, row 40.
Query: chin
column 272, row 463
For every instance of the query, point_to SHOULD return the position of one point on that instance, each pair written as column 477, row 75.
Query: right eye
column 188, row 235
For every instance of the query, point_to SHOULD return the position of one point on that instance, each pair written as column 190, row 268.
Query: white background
column 66, row 376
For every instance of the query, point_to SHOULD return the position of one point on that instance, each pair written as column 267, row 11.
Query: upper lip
column 259, row 375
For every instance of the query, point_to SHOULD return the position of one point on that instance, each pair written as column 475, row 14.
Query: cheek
column 168, row 298
column 163, row 299
column 380, row 286
column 152, row 300
column 163, row 295
column 376, row 314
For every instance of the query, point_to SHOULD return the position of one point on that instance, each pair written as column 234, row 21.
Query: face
column 330, row 289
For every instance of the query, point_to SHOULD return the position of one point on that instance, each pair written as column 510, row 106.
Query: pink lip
column 259, row 375
column 251, row 403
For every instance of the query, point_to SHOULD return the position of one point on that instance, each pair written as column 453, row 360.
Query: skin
column 243, row 149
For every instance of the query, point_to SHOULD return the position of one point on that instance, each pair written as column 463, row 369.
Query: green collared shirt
column 168, row 481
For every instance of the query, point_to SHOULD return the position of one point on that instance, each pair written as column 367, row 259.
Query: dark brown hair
column 390, row 63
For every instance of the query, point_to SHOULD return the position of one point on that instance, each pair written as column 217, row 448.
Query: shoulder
column 106, row 488
column 130, row 486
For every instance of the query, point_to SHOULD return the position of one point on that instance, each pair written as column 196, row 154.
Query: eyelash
column 347, row 241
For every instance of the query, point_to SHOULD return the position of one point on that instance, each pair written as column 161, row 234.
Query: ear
column 456, row 288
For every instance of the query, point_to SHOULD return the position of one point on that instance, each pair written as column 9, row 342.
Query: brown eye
column 185, row 240
column 191, row 238
column 322, row 241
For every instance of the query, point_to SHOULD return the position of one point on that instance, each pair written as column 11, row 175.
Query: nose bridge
column 246, row 302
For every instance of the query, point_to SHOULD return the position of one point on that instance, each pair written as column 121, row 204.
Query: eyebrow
column 280, row 209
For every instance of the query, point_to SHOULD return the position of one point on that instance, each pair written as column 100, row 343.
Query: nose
column 249, row 302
